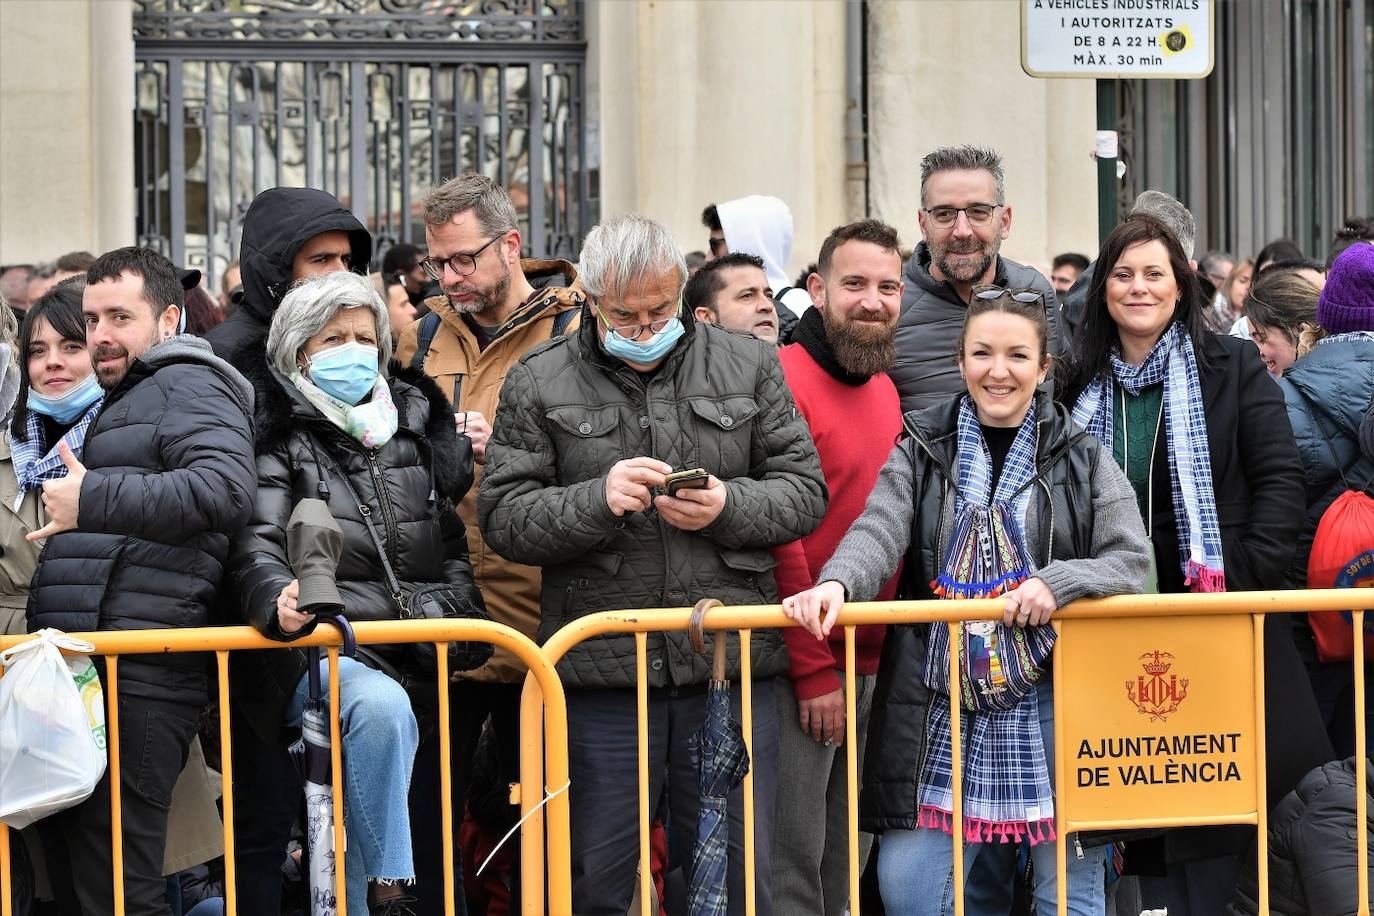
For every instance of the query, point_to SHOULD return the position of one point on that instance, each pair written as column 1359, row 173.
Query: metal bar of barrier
column 956, row 769
column 5, row 893
column 445, row 779
column 851, row 776
column 1061, row 836
column 1361, row 778
column 336, row 783
column 116, row 798
column 227, row 782
column 550, row 719
column 532, row 836
column 647, row 894
column 1261, row 771
column 746, row 705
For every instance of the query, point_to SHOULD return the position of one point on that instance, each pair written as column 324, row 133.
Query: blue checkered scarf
column 34, row 462
column 1367, row 336
column 1007, row 793
column 1172, row 362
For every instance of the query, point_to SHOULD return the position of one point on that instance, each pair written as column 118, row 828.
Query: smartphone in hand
column 695, row 479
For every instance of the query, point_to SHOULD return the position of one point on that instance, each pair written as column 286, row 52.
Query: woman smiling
column 1200, row 428
column 995, row 493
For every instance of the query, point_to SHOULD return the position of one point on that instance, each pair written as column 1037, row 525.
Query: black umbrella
column 722, row 761
column 313, row 758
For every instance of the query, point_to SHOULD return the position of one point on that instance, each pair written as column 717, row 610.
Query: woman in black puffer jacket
column 330, row 427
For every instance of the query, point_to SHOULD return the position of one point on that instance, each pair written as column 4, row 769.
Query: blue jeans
column 908, row 860
column 379, row 740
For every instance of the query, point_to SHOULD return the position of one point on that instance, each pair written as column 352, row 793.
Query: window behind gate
column 374, row 101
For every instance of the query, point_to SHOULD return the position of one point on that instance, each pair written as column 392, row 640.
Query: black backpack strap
column 429, row 326
column 562, row 320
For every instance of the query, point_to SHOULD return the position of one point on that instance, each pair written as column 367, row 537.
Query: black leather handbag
column 428, row 601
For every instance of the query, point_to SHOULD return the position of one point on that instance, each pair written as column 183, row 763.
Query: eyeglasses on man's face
column 462, row 263
column 636, row 331
column 979, row 215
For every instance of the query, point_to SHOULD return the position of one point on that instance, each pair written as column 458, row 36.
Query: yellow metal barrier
column 545, row 860
column 950, row 613
column 222, row 640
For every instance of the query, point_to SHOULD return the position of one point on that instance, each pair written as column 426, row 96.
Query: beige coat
column 511, row 590
column 18, row 557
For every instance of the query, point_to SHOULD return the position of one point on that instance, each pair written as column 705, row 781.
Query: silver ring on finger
column 828, row 742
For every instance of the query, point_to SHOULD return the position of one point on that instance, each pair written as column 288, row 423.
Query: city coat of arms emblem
column 1157, row 692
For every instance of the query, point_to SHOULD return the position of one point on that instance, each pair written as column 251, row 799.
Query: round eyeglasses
column 636, row 331
column 462, row 263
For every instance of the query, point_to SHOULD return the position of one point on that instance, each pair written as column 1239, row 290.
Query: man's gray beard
column 859, row 349
column 939, row 256
column 487, row 301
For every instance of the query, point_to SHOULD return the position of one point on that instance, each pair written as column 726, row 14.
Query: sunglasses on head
column 1026, row 295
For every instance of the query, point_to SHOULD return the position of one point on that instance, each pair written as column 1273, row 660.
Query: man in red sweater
column 837, row 370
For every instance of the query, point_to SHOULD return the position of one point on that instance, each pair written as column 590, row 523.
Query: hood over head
column 278, row 223
column 761, row 226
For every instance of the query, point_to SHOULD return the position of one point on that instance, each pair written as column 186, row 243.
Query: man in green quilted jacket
column 588, row 428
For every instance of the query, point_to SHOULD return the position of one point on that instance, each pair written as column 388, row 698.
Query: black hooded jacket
column 411, row 484
column 169, row 481
column 279, row 222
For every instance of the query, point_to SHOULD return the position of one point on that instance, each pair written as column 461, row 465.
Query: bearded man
column 964, row 218
column 837, row 370
column 495, row 308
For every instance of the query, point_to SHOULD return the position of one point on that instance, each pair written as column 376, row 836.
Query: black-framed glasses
column 463, row 263
column 636, row 331
column 1025, row 294
column 979, row 215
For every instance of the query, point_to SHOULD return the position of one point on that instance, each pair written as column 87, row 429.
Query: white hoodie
column 762, row 226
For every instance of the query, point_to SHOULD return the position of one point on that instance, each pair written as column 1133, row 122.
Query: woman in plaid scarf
column 1200, row 428
column 995, row 493
column 56, row 397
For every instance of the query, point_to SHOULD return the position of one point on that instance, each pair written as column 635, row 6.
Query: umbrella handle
column 698, row 637
column 350, row 644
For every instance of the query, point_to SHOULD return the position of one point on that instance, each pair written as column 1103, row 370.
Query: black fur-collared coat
column 410, row 484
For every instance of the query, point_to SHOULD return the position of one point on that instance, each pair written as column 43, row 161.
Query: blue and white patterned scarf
column 1007, row 793
column 1172, row 362
column 34, row 462
column 1366, row 336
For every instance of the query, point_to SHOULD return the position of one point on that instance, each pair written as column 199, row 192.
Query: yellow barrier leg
column 5, row 902
column 531, row 778
column 956, row 767
column 116, row 797
column 851, row 776
column 1261, row 774
column 336, row 777
column 227, row 774
column 746, row 708
column 1061, row 839
column 647, row 896
column 445, row 778
column 1361, row 780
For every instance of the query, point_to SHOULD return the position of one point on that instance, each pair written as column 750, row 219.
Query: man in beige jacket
column 495, row 308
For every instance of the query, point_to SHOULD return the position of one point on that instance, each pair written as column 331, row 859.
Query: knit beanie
column 1347, row 300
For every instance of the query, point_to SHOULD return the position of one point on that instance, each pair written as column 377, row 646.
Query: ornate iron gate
column 373, row 101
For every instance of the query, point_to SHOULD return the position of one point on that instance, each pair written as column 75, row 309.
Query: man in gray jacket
column 587, row 430
column 964, row 218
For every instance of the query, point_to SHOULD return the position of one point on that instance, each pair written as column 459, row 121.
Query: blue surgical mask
column 347, row 372
column 70, row 404
column 651, row 351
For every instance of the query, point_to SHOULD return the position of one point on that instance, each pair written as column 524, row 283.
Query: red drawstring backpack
column 1342, row 557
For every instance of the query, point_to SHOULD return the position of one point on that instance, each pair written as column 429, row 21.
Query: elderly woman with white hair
column 377, row 444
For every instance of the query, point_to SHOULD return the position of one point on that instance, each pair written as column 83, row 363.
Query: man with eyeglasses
column 495, row 307
column 964, row 218
column 588, row 431
column 288, row 234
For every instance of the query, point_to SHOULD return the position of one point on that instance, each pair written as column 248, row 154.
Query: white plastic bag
column 52, row 728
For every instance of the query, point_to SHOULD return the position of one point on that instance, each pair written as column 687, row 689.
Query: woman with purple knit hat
column 1328, row 392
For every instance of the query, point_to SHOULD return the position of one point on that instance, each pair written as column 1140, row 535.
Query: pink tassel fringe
column 977, row 830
